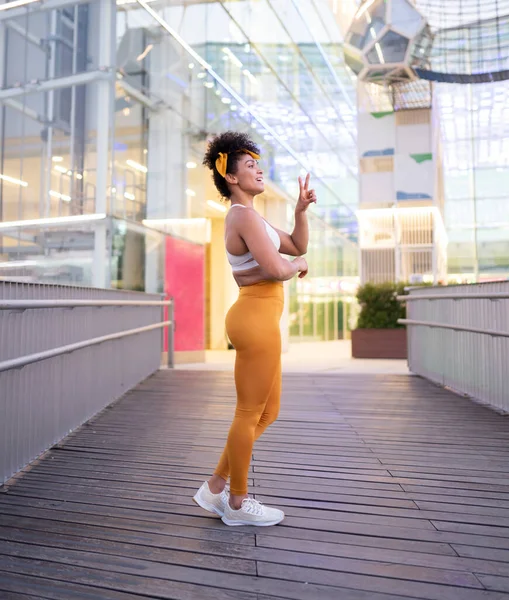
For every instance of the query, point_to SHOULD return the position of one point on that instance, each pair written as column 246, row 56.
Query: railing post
column 171, row 335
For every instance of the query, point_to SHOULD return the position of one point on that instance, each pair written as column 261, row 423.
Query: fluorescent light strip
column 13, row 180
column 53, row 221
column 17, row 4
column 250, row 76
column 169, row 221
column 145, row 52
column 17, row 264
column 380, row 53
column 59, row 196
column 364, row 8
column 136, row 166
column 216, row 205
column 129, row 196
column 232, row 57
column 60, row 169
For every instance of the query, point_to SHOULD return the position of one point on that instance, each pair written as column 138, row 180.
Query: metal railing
column 65, row 354
column 458, row 337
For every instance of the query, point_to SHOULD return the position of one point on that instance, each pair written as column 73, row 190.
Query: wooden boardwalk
column 393, row 489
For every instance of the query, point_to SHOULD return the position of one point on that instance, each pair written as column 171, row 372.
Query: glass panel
column 492, row 182
column 394, row 47
column 492, row 251
column 405, row 18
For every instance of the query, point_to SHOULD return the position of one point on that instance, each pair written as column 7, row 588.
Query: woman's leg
column 255, row 373
column 268, row 416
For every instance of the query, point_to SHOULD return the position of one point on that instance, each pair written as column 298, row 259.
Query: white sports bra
column 246, row 261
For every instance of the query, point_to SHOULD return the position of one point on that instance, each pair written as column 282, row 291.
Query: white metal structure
column 402, row 244
column 458, row 337
column 386, row 39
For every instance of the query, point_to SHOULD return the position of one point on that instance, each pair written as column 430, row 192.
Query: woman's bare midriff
column 251, row 277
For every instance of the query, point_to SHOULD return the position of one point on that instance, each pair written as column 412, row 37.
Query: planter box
column 379, row 343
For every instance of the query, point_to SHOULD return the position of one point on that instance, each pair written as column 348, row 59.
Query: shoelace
column 253, row 507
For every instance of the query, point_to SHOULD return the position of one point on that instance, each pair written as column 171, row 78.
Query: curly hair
column 231, row 142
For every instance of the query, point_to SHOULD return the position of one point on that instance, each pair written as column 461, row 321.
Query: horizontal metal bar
column 29, row 304
column 138, row 95
column 23, row 361
column 491, row 332
column 492, row 296
column 55, row 84
column 32, row 9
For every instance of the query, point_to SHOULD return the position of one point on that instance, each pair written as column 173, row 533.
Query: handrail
column 33, row 304
column 491, row 296
column 433, row 324
column 22, row 361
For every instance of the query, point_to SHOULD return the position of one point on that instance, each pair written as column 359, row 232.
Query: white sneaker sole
column 207, row 506
column 235, row 522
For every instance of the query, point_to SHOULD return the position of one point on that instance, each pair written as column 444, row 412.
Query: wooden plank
column 53, row 589
column 392, row 488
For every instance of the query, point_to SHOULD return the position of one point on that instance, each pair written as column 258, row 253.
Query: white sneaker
column 252, row 512
column 214, row 503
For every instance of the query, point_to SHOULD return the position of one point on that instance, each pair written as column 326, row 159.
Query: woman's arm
column 251, row 228
column 296, row 243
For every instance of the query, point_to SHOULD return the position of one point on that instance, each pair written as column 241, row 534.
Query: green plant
column 380, row 308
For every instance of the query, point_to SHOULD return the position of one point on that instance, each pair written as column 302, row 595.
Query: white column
column 167, row 140
column 104, row 126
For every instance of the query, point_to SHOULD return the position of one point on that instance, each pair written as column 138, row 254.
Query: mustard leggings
column 252, row 324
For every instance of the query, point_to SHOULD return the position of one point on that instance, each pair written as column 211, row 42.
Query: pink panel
column 185, row 282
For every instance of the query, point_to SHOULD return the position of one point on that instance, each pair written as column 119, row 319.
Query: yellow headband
column 222, row 160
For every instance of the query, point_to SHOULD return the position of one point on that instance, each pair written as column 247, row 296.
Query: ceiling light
column 232, row 57
column 216, row 205
column 226, row 100
column 13, row 180
column 250, row 76
column 191, row 193
column 60, row 169
column 129, row 196
column 136, row 166
column 380, row 53
column 16, row 264
column 202, row 75
column 209, row 84
column 364, row 8
column 79, row 176
column 59, row 196
column 191, row 165
column 57, row 158
column 16, row 3
column 145, row 52
column 52, row 221
column 191, row 65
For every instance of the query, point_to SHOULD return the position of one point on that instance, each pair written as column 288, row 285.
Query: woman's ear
column 232, row 179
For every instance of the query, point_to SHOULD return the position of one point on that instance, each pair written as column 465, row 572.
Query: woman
column 252, row 323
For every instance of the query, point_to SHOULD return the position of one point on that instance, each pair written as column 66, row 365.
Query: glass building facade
column 106, row 110
column 475, row 133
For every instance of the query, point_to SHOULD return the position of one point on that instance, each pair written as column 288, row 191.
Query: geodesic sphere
column 386, row 39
